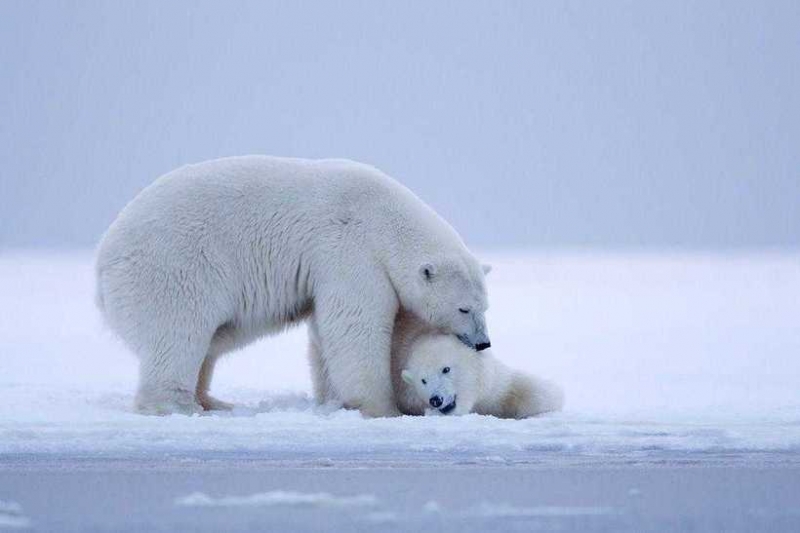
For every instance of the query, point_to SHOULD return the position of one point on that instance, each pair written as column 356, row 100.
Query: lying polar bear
column 439, row 375
column 435, row 373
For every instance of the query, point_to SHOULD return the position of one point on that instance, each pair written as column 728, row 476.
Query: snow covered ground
column 666, row 358
column 656, row 352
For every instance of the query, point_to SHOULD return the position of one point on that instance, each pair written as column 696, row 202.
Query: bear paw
column 209, row 403
column 167, row 403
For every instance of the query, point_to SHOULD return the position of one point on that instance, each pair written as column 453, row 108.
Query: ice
column 382, row 517
column 12, row 517
column 658, row 353
column 432, row 506
column 278, row 498
column 495, row 510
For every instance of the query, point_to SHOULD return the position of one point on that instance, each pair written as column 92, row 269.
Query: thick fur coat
column 457, row 379
column 215, row 255
column 439, row 375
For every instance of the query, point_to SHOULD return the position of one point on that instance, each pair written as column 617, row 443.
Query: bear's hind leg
column 206, row 401
column 319, row 375
column 168, row 379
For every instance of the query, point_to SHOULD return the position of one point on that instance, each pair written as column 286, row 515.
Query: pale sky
column 525, row 124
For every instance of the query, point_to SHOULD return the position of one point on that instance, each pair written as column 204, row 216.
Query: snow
column 432, row 506
column 508, row 511
column 281, row 498
column 12, row 517
column 278, row 498
column 382, row 517
column 660, row 354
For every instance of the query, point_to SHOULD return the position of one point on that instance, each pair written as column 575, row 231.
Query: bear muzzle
column 480, row 343
column 449, row 407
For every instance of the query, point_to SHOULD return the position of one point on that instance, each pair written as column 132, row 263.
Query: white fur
column 215, row 255
column 476, row 382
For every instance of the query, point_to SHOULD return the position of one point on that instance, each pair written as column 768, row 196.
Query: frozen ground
column 681, row 374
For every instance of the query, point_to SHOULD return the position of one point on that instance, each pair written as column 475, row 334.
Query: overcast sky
column 525, row 124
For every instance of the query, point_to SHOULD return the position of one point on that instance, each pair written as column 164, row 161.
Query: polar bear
column 214, row 255
column 439, row 375
column 434, row 373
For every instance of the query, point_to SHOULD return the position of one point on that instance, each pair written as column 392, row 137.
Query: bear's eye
column 424, row 382
column 462, row 310
column 445, row 370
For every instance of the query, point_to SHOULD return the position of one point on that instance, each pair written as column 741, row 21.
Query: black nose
column 482, row 346
column 436, row 401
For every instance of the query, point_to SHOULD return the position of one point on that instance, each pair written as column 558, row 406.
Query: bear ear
column 486, row 268
column 407, row 376
column 427, row 271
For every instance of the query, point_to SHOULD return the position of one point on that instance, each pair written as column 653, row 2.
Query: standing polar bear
column 212, row 256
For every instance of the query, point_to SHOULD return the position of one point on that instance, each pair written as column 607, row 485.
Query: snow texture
column 278, row 498
column 658, row 354
column 12, row 517
column 509, row 511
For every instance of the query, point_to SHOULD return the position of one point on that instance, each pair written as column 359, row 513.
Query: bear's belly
column 244, row 330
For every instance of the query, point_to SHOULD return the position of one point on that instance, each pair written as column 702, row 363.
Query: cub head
column 450, row 295
column 435, row 371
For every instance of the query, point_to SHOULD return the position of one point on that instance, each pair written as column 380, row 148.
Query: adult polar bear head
column 450, row 295
column 433, row 273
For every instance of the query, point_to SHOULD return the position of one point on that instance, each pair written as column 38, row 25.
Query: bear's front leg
column 359, row 371
column 355, row 342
